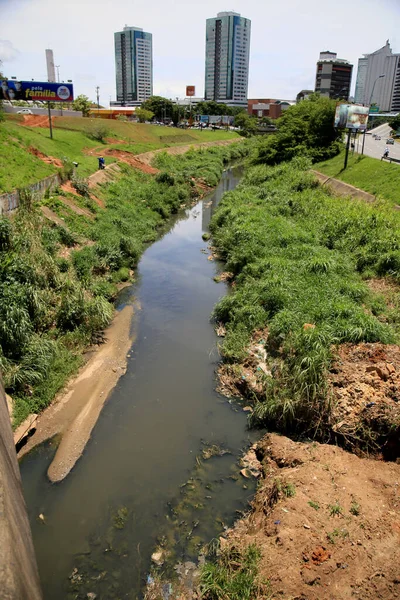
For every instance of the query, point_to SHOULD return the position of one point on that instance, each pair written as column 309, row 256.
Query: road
column 375, row 148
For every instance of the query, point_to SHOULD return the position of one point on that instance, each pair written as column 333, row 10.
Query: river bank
column 72, row 265
column 311, row 327
column 75, row 412
column 309, row 336
column 159, row 429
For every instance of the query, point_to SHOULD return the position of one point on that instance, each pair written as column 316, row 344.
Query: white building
column 133, row 66
column 227, row 58
column 386, row 93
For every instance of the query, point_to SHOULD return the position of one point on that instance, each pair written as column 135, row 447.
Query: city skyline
column 283, row 48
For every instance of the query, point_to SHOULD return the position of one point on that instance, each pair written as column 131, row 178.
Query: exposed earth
column 327, row 523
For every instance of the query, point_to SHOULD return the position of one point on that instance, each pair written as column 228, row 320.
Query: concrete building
column 386, row 93
column 227, row 58
column 133, row 66
column 333, row 76
column 51, row 71
column 267, row 107
column 303, row 95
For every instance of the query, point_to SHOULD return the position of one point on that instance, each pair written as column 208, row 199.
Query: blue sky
column 285, row 42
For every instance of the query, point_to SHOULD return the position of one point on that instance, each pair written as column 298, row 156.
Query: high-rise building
column 333, row 76
column 133, row 66
column 51, row 72
column 385, row 90
column 227, row 58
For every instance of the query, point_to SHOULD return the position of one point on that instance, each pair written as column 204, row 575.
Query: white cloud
column 7, row 51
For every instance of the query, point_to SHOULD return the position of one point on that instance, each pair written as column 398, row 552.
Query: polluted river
column 161, row 469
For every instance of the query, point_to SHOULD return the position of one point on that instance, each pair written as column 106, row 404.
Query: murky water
column 128, row 490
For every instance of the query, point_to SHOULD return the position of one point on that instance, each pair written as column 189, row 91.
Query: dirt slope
column 346, row 544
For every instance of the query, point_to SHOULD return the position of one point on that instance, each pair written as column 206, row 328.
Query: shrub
column 98, row 132
column 5, row 234
column 81, row 185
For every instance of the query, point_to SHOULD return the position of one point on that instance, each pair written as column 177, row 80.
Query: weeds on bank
column 299, row 256
column 335, row 510
column 234, row 575
column 52, row 307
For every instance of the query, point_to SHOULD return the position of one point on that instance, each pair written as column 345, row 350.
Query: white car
column 25, row 111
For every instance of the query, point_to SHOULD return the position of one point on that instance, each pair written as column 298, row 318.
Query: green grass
column 299, row 256
column 52, row 307
column 27, row 168
column 234, row 576
column 377, row 177
column 143, row 133
column 19, row 168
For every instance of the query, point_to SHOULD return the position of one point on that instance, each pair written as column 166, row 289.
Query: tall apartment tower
column 333, row 76
column 227, row 59
column 133, row 66
column 386, row 93
column 51, row 72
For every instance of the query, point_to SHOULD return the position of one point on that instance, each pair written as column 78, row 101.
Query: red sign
column 190, row 90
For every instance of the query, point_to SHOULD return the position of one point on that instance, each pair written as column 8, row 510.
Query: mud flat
column 74, row 414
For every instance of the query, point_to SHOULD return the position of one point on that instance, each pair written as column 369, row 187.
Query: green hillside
column 73, row 139
column 370, row 174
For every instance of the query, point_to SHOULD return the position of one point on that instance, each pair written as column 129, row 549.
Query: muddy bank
column 75, row 412
column 327, row 523
column 363, row 391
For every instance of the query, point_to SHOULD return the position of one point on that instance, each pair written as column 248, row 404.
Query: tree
column 83, row 104
column 306, row 128
column 247, row 124
column 395, row 123
column 159, row 106
column 144, row 115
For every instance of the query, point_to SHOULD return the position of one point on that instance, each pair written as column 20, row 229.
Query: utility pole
column 347, row 148
column 98, row 99
column 50, row 125
column 370, row 100
column 58, row 72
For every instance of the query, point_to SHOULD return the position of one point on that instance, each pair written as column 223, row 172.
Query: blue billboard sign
column 36, row 90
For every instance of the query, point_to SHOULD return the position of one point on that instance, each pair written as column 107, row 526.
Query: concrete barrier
column 342, row 188
column 19, row 579
column 10, row 202
column 55, row 112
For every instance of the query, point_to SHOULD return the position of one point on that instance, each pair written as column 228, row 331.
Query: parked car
column 390, row 141
column 25, row 111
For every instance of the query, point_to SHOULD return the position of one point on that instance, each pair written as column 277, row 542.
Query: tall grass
column 52, row 307
column 299, row 256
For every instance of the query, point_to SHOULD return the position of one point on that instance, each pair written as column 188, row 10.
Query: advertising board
column 351, row 116
column 190, row 90
column 36, row 90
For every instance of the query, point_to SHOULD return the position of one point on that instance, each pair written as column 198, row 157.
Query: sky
column 286, row 39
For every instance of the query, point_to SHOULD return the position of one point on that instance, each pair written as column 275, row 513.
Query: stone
column 158, row 558
column 310, row 576
column 91, row 596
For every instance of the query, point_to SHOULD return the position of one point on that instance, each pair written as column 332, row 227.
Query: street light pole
column 370, row 101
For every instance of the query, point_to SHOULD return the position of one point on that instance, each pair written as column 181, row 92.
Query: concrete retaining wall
column 19, row 579
column 10, row 202
column 342, row 188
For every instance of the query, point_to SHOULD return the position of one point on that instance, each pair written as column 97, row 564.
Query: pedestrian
column 386, row 153
column 102, row 162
